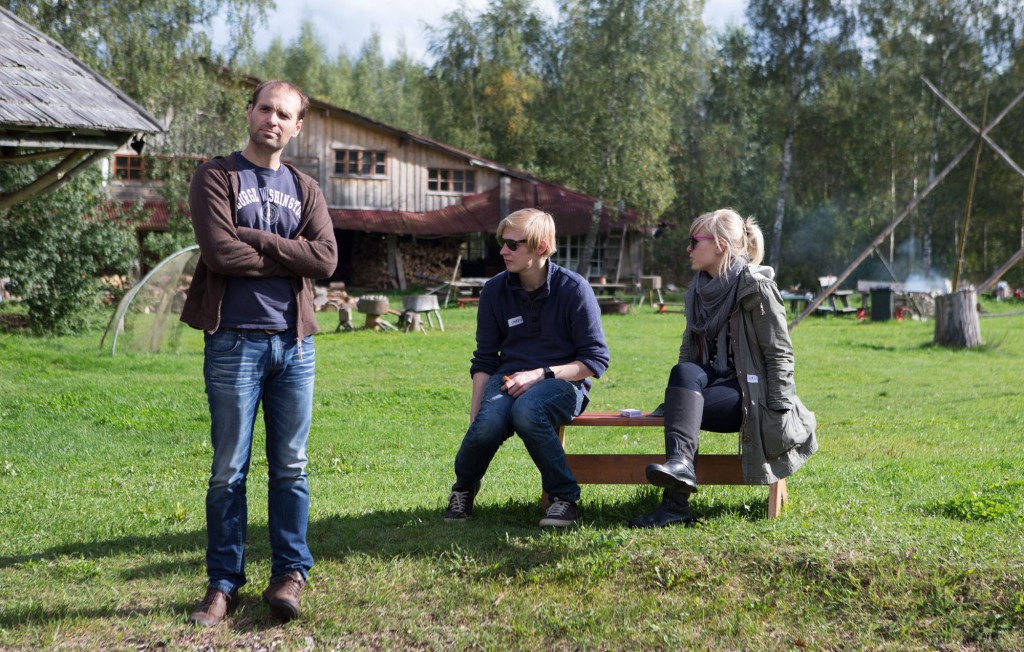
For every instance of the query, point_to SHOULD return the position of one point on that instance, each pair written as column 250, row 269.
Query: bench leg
column 776, row 498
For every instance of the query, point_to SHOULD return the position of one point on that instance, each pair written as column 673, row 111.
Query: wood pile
column 421, row 263
column 333, row 297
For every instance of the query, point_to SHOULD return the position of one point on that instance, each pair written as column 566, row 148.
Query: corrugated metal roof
column 43, row 86
column 482, row 212
column 157, row 214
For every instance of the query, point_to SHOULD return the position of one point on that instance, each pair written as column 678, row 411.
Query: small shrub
column 1001, row 500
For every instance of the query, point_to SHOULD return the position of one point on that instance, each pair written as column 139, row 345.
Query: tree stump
column 956, row 319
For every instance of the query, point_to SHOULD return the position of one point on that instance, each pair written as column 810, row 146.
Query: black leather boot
column 684, row 409
column 673, row 510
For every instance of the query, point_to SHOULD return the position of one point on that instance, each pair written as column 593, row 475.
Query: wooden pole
column 813, row 305
column 982, row 133
column 992, row 280
column 970, row 202
column 55, row 177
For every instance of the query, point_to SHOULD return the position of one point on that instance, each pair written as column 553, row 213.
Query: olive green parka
column 777, row 435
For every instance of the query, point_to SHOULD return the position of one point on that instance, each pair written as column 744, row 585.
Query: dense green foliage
column 54, row 248
column 906, row 530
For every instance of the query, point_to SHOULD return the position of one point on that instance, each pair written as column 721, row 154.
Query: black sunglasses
column 511, row 244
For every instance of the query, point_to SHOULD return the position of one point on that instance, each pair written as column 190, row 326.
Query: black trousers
column 723, row 401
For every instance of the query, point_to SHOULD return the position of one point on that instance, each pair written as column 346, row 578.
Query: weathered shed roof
column 49, row 98
column 53, row 106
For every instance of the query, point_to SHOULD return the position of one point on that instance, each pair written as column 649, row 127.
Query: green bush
column 54, row 247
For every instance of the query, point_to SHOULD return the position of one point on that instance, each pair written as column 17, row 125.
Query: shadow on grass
column 250, row 616
column 502, row 540
column 379, row 533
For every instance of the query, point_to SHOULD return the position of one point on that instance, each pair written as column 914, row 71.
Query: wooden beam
column 31, row 157
column 57, row 176
column 992, row 280
column 813, row 305
column 982, row 133
column 962, row 245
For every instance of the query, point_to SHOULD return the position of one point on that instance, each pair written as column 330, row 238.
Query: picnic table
column 465, row 290
column 838, row 300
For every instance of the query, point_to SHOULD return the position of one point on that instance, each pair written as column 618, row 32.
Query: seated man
column 539, row 340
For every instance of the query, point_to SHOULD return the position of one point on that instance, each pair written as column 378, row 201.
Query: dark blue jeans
column 535, row 417
column 243, row 370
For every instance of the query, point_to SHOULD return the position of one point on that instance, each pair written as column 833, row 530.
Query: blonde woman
column 735, row 369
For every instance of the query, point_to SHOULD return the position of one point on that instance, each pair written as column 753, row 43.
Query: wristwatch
column 548, row 373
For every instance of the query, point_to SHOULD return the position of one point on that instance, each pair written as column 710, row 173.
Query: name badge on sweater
column 515, row 321
column 751, row 378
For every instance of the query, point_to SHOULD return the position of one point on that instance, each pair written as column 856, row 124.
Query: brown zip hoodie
column 229, row 250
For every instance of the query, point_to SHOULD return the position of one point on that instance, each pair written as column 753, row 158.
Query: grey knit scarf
column 709, row 301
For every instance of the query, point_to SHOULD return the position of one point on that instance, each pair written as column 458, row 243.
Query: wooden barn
column 54, row 107
column 408, row 209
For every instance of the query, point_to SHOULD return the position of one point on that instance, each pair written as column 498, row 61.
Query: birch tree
column 615, row 86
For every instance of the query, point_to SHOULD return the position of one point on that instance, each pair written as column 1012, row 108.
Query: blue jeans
column 535, row 417
column 241, row 371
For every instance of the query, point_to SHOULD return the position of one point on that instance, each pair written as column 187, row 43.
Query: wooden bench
column 843, row 307
column 464, row 300
column 797, row 301
column 629, row 468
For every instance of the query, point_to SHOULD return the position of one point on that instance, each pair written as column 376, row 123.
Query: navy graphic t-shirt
column 268, row 200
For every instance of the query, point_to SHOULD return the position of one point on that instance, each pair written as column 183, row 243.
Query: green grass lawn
column 906, row 530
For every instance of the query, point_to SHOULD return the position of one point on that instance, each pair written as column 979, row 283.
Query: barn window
column 570, row 250
column 360, row 162
column 459, row 181
column 129, row 168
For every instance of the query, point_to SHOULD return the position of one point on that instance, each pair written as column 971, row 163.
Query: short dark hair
column 274, row 83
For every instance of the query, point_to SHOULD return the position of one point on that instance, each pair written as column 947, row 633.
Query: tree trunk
column 589, row 241
column 956, row 319
column 780, row 205
column 929, row 213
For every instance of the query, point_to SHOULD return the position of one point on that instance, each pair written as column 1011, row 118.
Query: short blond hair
column 536, row 225
column 737, row 237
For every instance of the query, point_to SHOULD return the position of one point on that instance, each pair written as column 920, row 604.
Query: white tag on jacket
column 515, row 321
column 751, row 378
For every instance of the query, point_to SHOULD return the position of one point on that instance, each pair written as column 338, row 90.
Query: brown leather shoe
column 284, row 594
column 215, row 605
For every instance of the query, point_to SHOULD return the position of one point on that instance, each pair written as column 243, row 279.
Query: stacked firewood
column 332, row 297
column 422, row 263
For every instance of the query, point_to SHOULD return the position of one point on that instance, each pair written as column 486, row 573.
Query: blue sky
column 348, row 23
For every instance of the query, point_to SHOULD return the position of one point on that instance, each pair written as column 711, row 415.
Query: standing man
column 263, row 232
column 539, row 340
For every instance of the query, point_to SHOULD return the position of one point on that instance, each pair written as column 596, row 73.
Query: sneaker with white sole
column 561, row 513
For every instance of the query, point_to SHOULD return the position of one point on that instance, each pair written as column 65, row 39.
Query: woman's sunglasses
column 511, row 244
column 695, row 240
